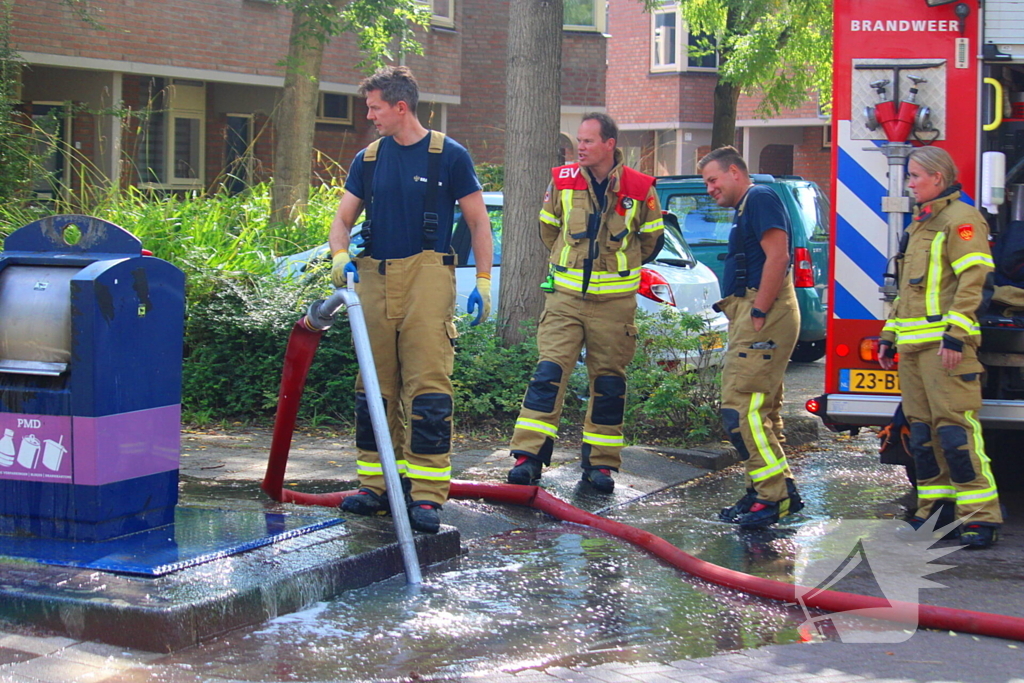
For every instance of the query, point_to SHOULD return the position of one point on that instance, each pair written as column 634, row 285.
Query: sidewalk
column 214, row 456
column 234, row 461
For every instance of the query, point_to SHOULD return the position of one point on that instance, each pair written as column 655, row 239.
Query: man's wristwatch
column 757, row 313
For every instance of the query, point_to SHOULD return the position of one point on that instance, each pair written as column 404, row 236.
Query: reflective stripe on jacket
column 941, row 275
column 629, row 230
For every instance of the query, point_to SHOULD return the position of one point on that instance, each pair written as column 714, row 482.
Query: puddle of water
column 520, row 600
column 561, row 595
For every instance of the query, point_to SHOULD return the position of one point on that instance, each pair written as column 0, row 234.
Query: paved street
column 989, row 582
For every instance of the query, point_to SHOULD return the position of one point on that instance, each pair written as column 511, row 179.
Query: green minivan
column 706, row 227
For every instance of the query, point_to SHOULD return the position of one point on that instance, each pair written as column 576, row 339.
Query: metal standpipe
column 896, row 204
column 321, row 316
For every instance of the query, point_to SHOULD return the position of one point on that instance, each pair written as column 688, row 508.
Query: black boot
column 732, row 513
column 764, row 513
column 366, row 502
column 944, row 512
column 526, row 471
column 977, row 536
column 425, row 516
column 600, row 479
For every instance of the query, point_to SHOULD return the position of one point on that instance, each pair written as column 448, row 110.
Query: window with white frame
column 171, row 151
column 664, row 41
column 584, row 15
column 334, row 108
column 442, row 12
column 673, row 48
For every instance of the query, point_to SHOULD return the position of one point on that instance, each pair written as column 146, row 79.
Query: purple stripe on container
column 113, row 448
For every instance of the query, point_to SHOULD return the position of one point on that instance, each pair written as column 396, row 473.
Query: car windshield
column 814, row 209
column 675, row 251
column 702, row 221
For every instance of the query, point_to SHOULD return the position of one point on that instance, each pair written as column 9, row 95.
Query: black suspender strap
column 430, row 217
column 741, row 256
column 369, row 167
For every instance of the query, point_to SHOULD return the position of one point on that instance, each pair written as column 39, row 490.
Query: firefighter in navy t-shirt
column 764, row 321
column 409, row 181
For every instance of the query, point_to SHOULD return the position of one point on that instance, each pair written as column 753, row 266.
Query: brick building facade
column 181, row 95
column 663, row 101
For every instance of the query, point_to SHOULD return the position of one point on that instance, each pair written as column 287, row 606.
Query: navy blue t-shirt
column 762, row 212
column 399, row 189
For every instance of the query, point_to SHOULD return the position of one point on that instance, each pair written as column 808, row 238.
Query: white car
column 675, row 280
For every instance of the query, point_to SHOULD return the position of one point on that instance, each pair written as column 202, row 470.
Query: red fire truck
column 910, row 73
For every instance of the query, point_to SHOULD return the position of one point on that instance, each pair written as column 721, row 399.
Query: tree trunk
column 531, row 149
column 296, row 118
column 723, row 132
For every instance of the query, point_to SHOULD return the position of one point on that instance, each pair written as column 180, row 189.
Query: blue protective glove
column 350, row 267
column 480, row 298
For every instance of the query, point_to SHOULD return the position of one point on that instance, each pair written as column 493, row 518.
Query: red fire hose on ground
column 299, row 356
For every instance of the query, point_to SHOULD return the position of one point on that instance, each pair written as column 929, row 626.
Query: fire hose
column 302, row 344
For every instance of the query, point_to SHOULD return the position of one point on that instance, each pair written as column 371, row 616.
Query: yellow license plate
column 869, row 381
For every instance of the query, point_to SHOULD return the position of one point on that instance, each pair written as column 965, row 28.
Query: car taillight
column 868, row 351
column 803, row 268
column 655, row 287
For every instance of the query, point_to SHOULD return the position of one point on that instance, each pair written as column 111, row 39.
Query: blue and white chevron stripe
column 861, row 228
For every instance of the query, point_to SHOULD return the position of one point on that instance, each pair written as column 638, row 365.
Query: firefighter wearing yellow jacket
column 943, row 262
column 602, row 221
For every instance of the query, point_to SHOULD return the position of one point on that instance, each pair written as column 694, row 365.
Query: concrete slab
column 167, row 613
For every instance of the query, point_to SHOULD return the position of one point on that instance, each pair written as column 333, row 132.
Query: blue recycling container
column 91, row 331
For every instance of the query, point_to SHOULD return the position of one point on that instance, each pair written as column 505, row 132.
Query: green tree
column 380, row 26
column 533, row 95
column 778, row 49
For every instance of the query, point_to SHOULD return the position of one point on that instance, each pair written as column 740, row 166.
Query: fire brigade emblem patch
column 650, row 203
column 547, row 196
column 627, row 203
column 966, row 231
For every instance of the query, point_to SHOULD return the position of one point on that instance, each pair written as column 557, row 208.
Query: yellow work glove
column 341, row 265
column 481, row 297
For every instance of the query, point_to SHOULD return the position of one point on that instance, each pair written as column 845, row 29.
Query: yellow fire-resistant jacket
column 629, row 231
column 941, row 277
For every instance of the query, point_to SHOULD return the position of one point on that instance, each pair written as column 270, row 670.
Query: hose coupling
column 318, row 316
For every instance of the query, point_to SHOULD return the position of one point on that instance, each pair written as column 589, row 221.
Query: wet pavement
column 535, row 600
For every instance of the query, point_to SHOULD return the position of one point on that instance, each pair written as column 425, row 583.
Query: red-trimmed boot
column 425, row 516
column 526, row 471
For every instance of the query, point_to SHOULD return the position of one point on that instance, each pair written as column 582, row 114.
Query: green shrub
column 235, row 339
column 674, row 394
column 240, row 315
column 490, row 380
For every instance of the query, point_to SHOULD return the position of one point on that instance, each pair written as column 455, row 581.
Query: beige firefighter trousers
column 947, row 443
column 568, row 324
column 409, row 305
column 752, row 386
